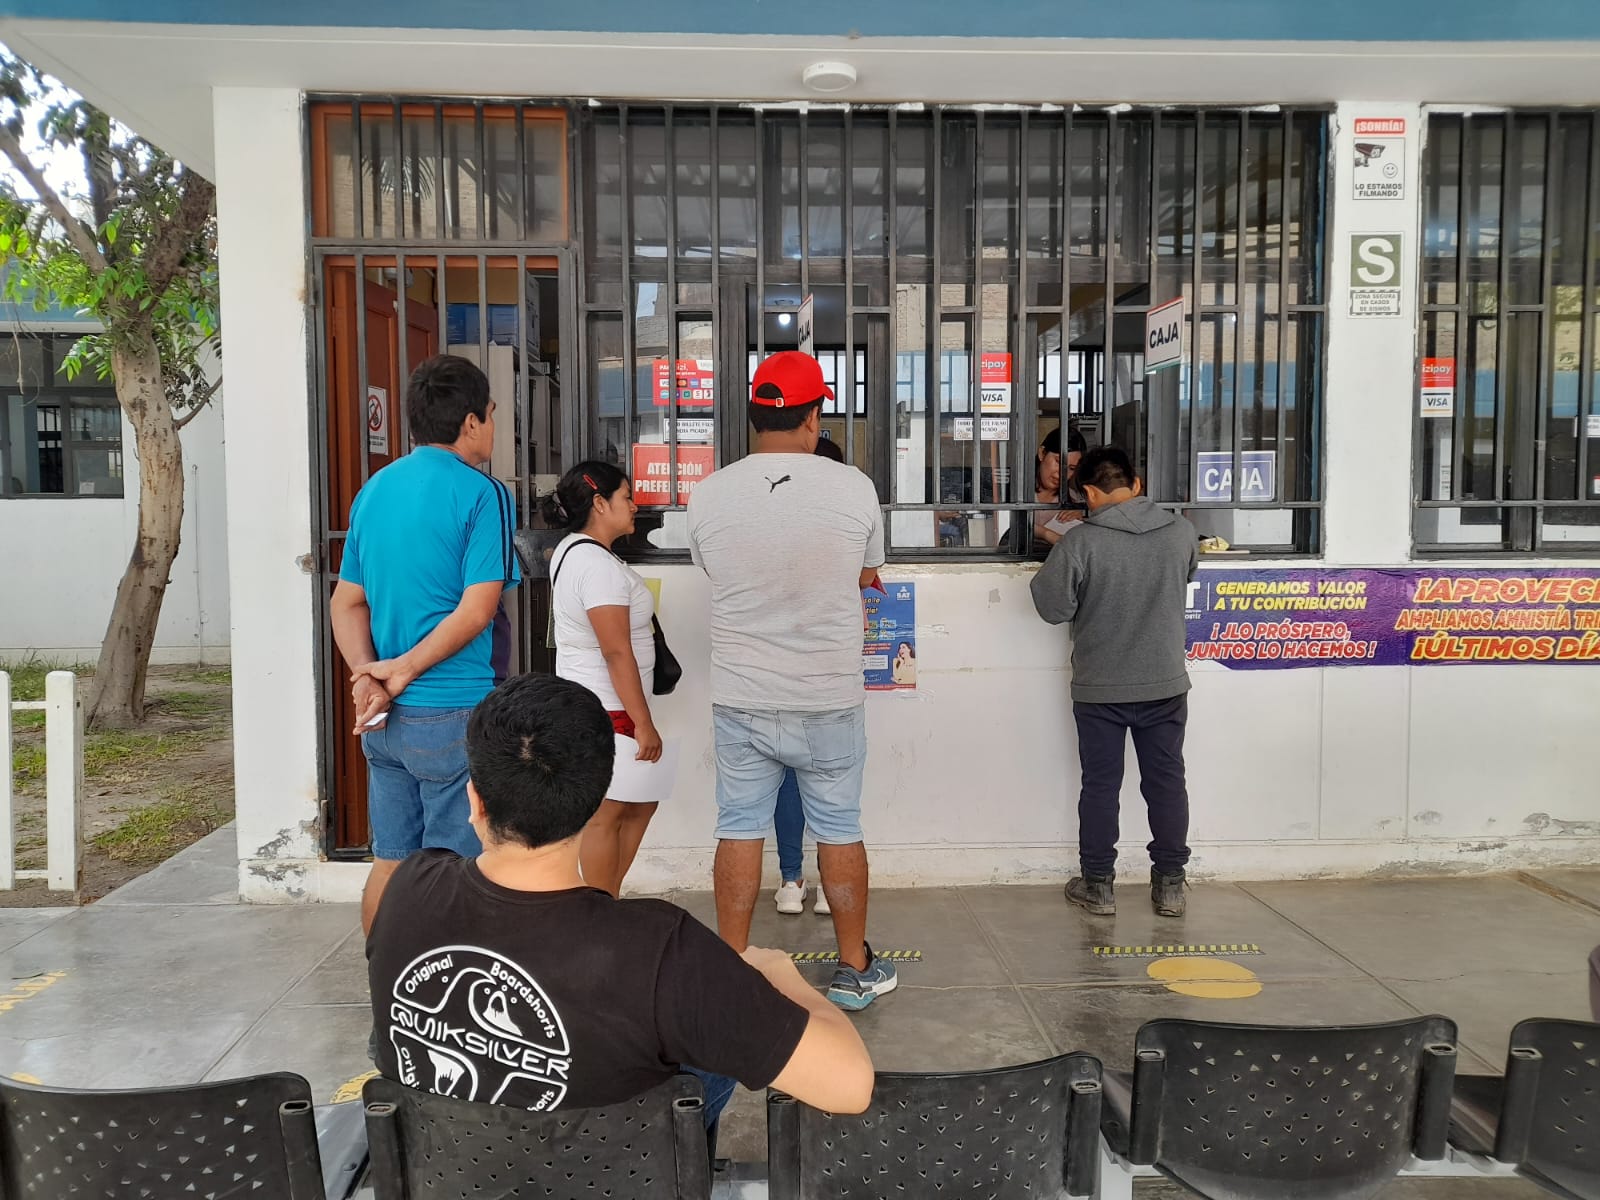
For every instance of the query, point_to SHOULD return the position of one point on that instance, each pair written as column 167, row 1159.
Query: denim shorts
column 828, row 751
column 417, row 783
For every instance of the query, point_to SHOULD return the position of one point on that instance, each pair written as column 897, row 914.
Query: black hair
column 908, row 646
column 1076, row 443
column 769, row 418
column 441, row 393
column 1105, row 468
column 828, row 448
column 572, row 503
column 540, row 750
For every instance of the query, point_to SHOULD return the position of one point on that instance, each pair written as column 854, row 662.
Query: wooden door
column 368, row 426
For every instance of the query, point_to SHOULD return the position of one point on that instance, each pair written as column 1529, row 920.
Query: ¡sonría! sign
column 1274, row 619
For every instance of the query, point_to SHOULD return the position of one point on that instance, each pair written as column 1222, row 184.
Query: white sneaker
column 791, row 897
column 821, row 908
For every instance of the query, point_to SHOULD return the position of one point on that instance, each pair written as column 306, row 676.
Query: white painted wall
column 262, row 229
column 70, row 552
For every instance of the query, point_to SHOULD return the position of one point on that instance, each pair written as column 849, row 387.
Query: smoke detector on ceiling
column 829, row 76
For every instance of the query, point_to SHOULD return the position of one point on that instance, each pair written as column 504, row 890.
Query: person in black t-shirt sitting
column 504, row 979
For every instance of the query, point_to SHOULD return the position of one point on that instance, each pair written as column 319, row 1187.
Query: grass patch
column 215, row 676
column 195, row 706
column 121, row 756
column 27, row 765
column 155, row 832
column 27, row 676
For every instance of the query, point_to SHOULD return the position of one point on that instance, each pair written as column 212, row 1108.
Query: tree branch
column 205, row 399
column 78, row 233
column 172, row 240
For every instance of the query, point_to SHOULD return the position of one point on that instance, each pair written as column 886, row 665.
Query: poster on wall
column 1378, row 171
column 377, row 420
column 1280, row 618
column 691, row 385
column 889, row 646
column 652, row 474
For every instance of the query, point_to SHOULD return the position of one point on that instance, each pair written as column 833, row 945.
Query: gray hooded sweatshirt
column 1121, row 579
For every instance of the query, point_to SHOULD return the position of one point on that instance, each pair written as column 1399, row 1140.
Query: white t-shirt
column 784, row 538
column 595, row 577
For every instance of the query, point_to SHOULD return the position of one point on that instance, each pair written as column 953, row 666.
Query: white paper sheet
column 1058, row 527
column 635, row 782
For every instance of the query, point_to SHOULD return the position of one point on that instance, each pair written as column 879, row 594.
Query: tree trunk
column 116, row 698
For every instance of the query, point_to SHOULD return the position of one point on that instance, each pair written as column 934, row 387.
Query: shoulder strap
column 554, row 575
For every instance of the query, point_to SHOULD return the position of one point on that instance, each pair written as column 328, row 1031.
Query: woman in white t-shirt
column 602, row 614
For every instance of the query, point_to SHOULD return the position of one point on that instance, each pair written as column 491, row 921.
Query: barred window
column 945, row 252
column 1508, row 442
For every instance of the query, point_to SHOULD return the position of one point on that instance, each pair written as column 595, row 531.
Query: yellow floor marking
column 832, row 956
column 1205, row 978
column 27, row 989
column 350, row 1089
column 24, row 1077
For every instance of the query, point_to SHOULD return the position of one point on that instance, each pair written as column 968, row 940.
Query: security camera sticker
column 1378, row 167
column 467, row 1023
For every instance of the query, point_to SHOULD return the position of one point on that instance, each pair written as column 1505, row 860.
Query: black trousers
column 1157, row 727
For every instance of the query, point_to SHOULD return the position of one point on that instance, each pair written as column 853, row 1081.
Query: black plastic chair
column 1258, row 1112
column 1030, row 1131
column 652, row 1147
column 1543, row 1117
column 236, row 1137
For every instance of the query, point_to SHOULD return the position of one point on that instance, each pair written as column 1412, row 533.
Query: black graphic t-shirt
column 547, row 999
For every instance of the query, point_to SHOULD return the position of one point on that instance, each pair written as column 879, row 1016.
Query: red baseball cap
column 797, row 378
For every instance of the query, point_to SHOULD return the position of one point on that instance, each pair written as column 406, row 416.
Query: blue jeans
column 417, row 783
column 789, row 821
column 718, row 1090
column 826, row 751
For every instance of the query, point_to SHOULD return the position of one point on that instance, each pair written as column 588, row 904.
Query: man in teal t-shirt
column 428, row 555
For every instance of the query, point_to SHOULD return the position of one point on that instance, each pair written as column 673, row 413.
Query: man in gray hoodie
column 1121, row 580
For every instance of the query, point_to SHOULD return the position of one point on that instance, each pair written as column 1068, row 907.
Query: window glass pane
column 1441, row 217
column 501, row 184
column 1307, row 192
column 647, row 156
column 603, row 196
column 461, row 176
column 1219, row 211
column 22, row 361
column 341, row 211
column 1001, row 149
column 913, row 185
column 1131, row 172
column 691, row 148
column 1045, row 164
column 547, row 179
column 1090, row 166
column 824, row 153
column 1175, row 230
column 380, row 171
column 1484, row 143
column 736, row 182
column 1525, row 200
column 35, row 436
column 869, row 192
column 420, row 175
column 96, row 440
column 1442, row 382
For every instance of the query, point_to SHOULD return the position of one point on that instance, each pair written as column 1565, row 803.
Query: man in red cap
column 789, row 540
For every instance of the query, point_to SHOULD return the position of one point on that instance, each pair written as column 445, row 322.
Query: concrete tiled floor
column 167, row 980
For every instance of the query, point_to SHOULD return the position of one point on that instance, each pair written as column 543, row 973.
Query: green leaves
column 151, row 269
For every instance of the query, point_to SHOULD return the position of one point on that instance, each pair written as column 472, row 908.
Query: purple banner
column 1275, row 619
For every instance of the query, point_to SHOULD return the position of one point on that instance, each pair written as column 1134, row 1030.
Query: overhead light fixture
column 829, row 76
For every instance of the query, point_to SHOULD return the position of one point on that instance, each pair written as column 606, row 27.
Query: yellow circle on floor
column 1206, row 978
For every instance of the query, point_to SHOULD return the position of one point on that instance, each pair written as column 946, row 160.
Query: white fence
column 63, row 782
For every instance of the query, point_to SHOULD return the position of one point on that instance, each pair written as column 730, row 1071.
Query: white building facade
column 1384, row 231
column 69, row 508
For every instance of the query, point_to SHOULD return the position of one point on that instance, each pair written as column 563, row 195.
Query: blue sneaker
column 854, row 990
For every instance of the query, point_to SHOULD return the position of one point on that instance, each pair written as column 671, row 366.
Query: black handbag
column 668, row 669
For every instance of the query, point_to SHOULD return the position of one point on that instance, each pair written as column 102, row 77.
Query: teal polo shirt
column 422, row 531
